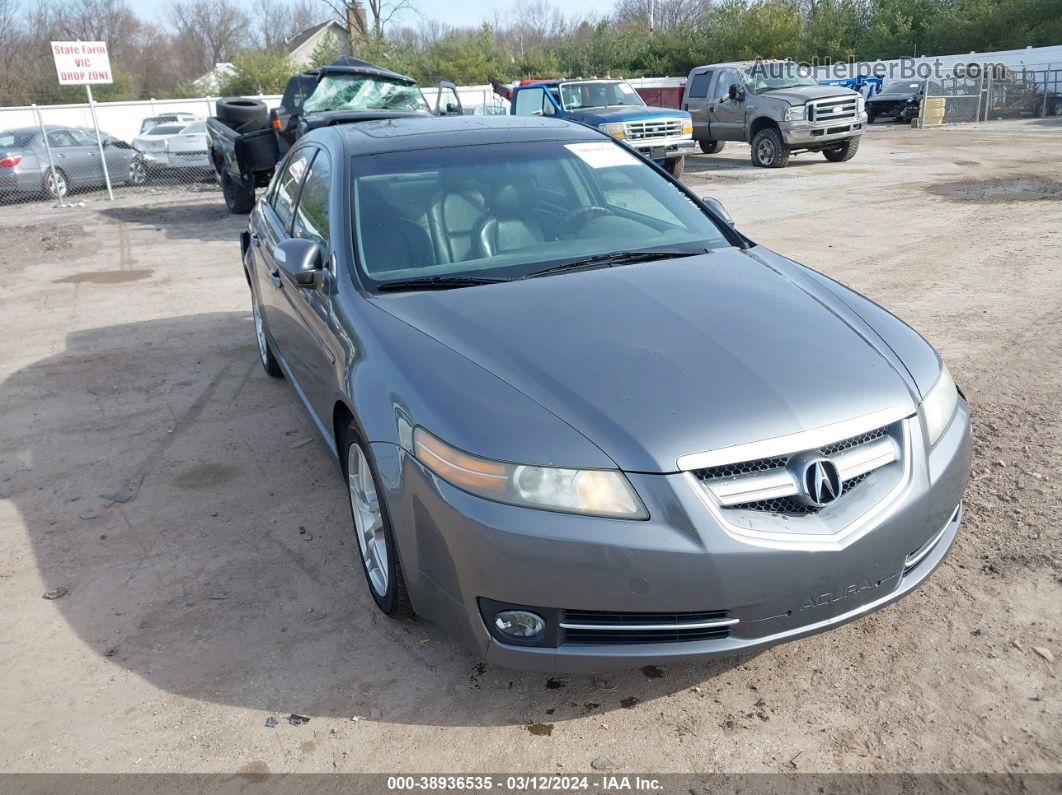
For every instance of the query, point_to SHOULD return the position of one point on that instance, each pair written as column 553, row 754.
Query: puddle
column 105, row 277
column 999, row 190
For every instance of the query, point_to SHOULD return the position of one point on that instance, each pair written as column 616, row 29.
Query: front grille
column 792, row 506
column 652, row 128
column 616, row 628
column 833, row 109
column 768, row 485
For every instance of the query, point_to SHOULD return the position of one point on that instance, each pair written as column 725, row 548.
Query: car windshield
column 772, row 76
column 902, row 87
column 502, row 212
column 598, row 94
column 363, row 92
column 19, row 138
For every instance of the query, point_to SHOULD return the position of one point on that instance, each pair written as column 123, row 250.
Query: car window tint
column 60, row 138
column 82, row 138
column 311, row 215
column 699, row 85
column 287, row 190
column 18, row 138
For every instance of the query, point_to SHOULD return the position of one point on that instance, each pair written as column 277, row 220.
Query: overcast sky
column 461, row 14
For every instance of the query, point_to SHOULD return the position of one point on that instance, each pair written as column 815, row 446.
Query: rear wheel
column 711, row 147
column 769, row 150
column 372, row 528
column 871, row 115
column 238, row 199
column 675, row 166
column 840, row 154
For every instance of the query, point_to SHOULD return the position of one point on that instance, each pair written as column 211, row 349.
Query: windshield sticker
column 602, row 155
column 297, row 168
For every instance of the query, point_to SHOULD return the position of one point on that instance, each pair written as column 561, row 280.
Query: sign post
column 86, row 63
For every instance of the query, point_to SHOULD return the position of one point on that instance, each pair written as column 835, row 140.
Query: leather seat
column 390, row 242
column 453, row 213
column 506, row 226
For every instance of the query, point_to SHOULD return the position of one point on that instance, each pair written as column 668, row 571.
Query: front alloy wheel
column 372, row 528
column 137, row 172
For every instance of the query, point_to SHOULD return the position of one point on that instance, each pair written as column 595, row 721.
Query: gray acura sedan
column 585, row 423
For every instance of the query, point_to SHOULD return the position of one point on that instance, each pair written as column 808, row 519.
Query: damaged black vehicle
column 900, row 99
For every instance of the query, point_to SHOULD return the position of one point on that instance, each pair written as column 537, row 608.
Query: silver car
column 584, row 422
column 75, row 155
column 177, row 145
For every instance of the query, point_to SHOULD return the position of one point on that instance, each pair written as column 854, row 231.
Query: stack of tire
column 242, row 114
column 934, row 114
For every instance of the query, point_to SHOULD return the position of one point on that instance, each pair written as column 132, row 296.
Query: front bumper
column 799, row 134
column 458, row 550
column 664, row 148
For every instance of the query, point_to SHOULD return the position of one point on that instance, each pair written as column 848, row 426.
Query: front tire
column 769, row 150
column 138, row 172
column 372, row 530
column 843, row 153
column 238, row 199
column 265, row 351
column 675, row 166
column 711, row 147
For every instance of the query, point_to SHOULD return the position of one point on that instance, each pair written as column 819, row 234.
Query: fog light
column 519, row 624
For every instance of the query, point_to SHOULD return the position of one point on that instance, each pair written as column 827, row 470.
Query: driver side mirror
column 452, row 109
column 300, row 259
column 717, row 207
column 735, row 93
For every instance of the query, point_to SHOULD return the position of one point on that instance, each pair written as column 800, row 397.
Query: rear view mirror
column 735, row 93
column 300, row 259
column 717, row 207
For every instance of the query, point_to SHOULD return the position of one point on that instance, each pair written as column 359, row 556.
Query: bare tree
column 367, row 20
column 662, row 15
column 207, row 32
column 276, row 21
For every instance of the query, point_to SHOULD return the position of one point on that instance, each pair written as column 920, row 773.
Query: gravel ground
column 214, row 586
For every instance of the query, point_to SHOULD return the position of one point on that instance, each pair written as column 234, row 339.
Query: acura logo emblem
column 820, row 482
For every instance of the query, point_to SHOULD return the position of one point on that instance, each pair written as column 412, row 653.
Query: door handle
column 256, row 240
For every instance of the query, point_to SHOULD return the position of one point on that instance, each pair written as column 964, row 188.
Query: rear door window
column 287, row 191
column 699, row 85
column 311, row 214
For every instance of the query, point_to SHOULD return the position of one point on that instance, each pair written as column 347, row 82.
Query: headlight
column 861, row 104
column 615, row 130
column 795, row 114
column 595, row 492
column 939, row 405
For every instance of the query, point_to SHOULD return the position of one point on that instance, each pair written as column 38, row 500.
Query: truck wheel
column 871, row 115
column 675, row 166
column 712, row 147
column 238, row 199
column 769, row 150
column 239, row 111
column 846, row 151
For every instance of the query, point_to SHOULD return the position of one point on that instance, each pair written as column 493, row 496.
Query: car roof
column 434, row 132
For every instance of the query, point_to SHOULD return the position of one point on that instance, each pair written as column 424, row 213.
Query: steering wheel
column 579, row 218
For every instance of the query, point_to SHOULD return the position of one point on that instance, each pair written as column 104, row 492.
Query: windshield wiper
column 614, row 258
column 436, row 283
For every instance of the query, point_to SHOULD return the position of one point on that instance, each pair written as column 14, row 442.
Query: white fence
column 123, row 119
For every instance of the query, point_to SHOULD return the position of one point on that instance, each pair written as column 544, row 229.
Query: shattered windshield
column 364, row 92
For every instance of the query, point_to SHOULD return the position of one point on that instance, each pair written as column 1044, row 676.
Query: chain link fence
column 992, row 93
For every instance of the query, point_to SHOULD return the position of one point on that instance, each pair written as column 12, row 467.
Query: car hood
column 891, row 98
column 801, row 94
column 624, row 113
column 659, row 360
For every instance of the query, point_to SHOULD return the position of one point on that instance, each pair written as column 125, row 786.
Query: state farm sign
column 79, row 63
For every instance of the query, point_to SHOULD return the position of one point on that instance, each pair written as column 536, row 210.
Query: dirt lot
column 215, row 586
